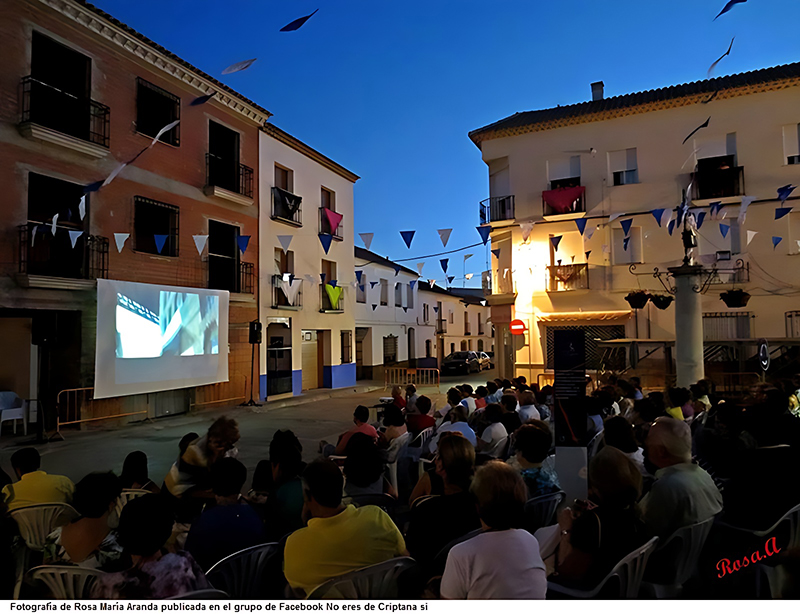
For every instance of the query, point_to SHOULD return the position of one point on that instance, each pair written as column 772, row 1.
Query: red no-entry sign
column 517, row 327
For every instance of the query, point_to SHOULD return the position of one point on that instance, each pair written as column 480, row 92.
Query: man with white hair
column 683, row 493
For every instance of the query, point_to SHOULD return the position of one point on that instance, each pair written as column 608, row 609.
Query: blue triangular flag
column 713, row 208
column 326, row 242
column 671, row 227
column 626, row 226
column 700, row 219
column 396, row 268
column 93, row 187
column 581, row 224
column 555, row 241
column 333, row 283
column 450, row 279
column 724, row 228
column 362, row 288
column 444, row 262
column 202, row 99
column 372, row 284
column 625, row 243
column 785, row 191
column 374, row 307
column 358, row 276
column 782, row 212
column 775, row 241
column 160, row 240
column 405, row 309
column 322, row 277
column 587, row 255
column 496, row 253
column 412, row 282
column 408, row 236
column 657, row 213
column 484, row 231
column 435, row 310
column 243, row 241
column 297, row 23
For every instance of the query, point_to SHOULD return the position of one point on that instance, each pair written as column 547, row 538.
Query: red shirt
column 367, row 429
column 399, row 402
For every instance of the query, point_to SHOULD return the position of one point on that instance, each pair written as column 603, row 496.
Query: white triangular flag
column 200, row 242
column 444, row 235
column 310, row 279
column 590, row 233
column 665, row 217
column 114, row 173
column 526, row 228
column 419, row 267
column 291, row 288
column 366, row 237
column 54, row 224
column 614, row 216
column 73, row 236
column 33, row 235
column 750, row 235
column 469, row 275
column 165, row 129
column 82, row 207
column 119, row 239
column 746, row 201
column 468, row 256
column 285, row 241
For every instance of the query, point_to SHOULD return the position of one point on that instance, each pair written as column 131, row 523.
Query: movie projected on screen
column 152, row 338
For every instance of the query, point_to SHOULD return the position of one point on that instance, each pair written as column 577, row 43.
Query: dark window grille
column 568, row 277
column 156, row 108
column 389, row 350
column 151, row 218
column 612, row 359
column 287, row 207
column 347, row 346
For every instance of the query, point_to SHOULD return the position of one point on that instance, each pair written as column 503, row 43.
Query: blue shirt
column 540, row 481
column 223, row 530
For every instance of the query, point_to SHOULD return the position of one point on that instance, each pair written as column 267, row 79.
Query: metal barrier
column 401, row 376
column 71, row 402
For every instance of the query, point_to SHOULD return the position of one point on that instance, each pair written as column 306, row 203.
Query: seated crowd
column 457, row 505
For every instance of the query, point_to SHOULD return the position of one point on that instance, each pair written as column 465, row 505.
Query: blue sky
column 391, row 89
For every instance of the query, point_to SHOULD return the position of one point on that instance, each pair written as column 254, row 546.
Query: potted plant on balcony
column 662, row 301
column 735, row 298
column 637, row 299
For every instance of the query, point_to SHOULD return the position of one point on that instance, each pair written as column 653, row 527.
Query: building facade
column 82, row 94
column 307, row 295
column 585, row 198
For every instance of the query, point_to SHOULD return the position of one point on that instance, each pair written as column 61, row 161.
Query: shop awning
column 583, row 316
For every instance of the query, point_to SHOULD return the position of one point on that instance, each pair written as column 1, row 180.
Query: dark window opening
column 347, row 347
column 389, row 350
column 223, row 154
column 570, row 182
column 626, row 177
column 718, row 177
column 793, row 160
column 152, row 218
column 156, row 108
column 223, row 256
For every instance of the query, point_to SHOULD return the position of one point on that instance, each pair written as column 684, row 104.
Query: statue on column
column 689, row 236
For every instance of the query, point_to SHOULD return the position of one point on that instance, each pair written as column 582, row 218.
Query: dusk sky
column 391, row 89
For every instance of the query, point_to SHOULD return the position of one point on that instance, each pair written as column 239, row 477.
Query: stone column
column 688, row 324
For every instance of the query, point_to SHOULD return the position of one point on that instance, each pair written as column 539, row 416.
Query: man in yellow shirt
column 338, row 538
column 35, row 486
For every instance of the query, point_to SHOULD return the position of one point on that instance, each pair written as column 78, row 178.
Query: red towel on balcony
column 561, row 200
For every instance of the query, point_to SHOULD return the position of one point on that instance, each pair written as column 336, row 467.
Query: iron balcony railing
column 497, row 209
column 287, row 207
column 42, row 253
column 229, row 175
column 80, row 117
column 503, row 282
column 325, row 305
column 279, row 298
column 441, row 326
column 568, row 277
column 247, row 278
column 718, row 183
column 325, row 226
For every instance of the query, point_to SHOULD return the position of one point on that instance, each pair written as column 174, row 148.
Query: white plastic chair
column 206, row 593
column 594, row 446
column 374, row 582
column 36, row 522
column 127, row 495
column 66, row 581
column 242, row 575
column 13, row 414
column 629, row 572
column 675, row 560
column 541, row 511
column 396, row 449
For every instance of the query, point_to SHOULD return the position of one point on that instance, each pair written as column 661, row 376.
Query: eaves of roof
column 373, row 258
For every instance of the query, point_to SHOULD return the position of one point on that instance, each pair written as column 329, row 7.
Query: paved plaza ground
column 318, row 415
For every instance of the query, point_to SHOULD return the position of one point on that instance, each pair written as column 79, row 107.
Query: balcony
column 226, row 274
column 229, row 180
column 325, row 226
column 718, row 183
column 52, row 115
column 441, row 326
column 325, row 305
column 563, row 278
column 286, row 207
column 565, row 202
column 50, row 261
column 279, row 298
column 497, row 209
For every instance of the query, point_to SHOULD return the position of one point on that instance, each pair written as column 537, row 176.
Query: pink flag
column 334, row 219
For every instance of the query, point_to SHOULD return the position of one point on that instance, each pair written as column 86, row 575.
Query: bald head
column 669, row 442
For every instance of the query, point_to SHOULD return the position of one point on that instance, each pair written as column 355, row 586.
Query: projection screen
column 152, row 338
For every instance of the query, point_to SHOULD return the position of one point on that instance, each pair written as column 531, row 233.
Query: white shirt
column 528, row 412
column 494, row 434
column 495, row 565
column 460, row 427
column 469, row 403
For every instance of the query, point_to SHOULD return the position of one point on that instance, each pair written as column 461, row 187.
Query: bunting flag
column 724, row 228
column 420, row 266
column 285, row 241
column 163, row 131
column 658, row 213
column 435, row 310
column 625, row 242
column 469, row 276
column 587, row 255
column 119, row 239
column 33, row 235
column 450, row 279
column 73, row 236
column 782, row 212
column 287, row 277
column 322, row 277
column 526, row 227
column 291, row 288
column 243, row 241
column 200, row 242
column 362, row 288
column 326, row 242
column 397, row 269
column 467, row 257
column 334, row 219
column 297, row 23
column 614, row 216
column 443, row 262
column 82, row 207
column 334, row 294
column 785, row 191
column 358, row 276
column 333, row 282
column 374, row 306
column 626, row 226
column 366, row 237
column 405, row 309
column 114, row 174
column 444, row 235
column 555, row 241
column 484, row 231
column 412, row 283
column 202, row 99
column 53, row 224
column 581, row 224
column 683, row 209
column 496, row 253
column 160, row 241
column 700, row 219
column 431, row 283
column 408, row 236
column 590, row 233
column 671, row 226
column 239, row 66
column 750, row 235
column 713, row 209
column 775, row 241
column 310, row 279
column 483, row 303
column 746, row 202
column 372, row 284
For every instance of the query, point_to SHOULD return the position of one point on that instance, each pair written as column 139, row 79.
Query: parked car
column 486, row 362
column 461, row 362
column 491, row 359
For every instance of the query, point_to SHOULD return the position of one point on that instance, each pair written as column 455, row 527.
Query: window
column 792, row 319
column 564, row 172
column 223, row 157
column 223, row 256
column 284, row 263
column 452, row 347
column 384, row 292
column 284, row 178
column 329, row 269
column 710, row 244
column 150, row 219
column 398, row 294
column 410, row 299
column 466, row 323
column 791, row 143
column 463, row 346
column 480, row 326
column 725, row 325
column 633, row 253
column 452, row 318
column 389, row 350
column 428, row 348
column 361, row 290
column 622, row 166
column 347, row 346
column 156, row 108
column 328, row 199
column 425, row 312
column 480, row 345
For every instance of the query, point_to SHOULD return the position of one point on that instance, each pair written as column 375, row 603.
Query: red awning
column 562, row 200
